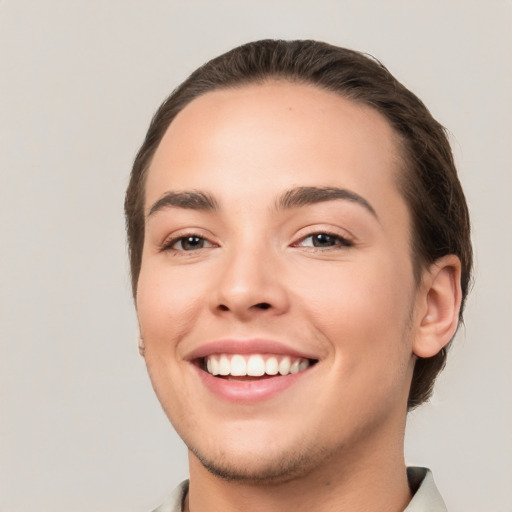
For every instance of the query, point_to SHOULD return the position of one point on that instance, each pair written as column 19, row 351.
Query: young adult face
column 275, row 228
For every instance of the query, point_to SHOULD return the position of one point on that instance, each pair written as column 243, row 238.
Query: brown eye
column 190, row 243
column 324, row 240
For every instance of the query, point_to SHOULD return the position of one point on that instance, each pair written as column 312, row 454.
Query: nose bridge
column 248, row 281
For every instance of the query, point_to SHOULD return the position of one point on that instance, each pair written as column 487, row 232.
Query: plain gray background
column 80, row 429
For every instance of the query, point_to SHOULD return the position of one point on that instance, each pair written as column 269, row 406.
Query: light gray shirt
column 426, row 497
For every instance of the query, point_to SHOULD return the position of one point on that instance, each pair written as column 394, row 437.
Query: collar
column 426, row 497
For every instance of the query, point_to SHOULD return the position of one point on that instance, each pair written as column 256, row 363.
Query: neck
column 369, row 478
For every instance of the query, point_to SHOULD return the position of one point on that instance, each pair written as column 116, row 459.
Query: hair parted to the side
column 428, row 179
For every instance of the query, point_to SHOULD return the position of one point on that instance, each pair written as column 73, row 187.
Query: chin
column 262, row 468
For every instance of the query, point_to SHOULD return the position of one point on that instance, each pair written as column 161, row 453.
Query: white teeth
column 284, row 366
column 254, row 365
column 294, row 368
column 215, row 366
column 224, row 365
column 272, row 366
column 238, row 366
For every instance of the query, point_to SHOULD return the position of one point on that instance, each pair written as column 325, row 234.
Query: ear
column 142, row 347
column 438, row 306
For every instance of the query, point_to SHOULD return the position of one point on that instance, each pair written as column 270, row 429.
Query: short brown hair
column 428, row 182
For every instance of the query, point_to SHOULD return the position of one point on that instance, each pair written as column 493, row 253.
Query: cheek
column 365, row 317
column 167, row 303
column 166, row 310
column 364, row 308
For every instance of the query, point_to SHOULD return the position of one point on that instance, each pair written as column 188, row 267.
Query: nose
column 249, row 285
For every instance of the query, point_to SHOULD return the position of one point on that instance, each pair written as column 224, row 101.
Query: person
column 300, row 256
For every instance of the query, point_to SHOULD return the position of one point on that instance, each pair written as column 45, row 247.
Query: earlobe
column 440, row 306
column 142, row 347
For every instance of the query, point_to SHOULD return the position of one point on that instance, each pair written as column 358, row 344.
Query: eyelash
column 338, row 242
column 168, row 244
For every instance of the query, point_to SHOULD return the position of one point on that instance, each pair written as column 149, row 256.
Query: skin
column 334, row 439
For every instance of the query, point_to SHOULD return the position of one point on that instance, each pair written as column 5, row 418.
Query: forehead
column 279, row 132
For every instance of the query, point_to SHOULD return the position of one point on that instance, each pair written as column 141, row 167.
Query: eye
column 323, row 241
column 188, row 243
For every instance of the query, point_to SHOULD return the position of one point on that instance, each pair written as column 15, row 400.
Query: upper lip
column 247, row 346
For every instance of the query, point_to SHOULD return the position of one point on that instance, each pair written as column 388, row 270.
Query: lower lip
column 250, row 390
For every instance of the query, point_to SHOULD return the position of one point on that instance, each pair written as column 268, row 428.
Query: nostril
column 259, row 305
column 262, row 305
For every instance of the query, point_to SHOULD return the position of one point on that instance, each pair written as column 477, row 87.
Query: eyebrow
column 293, row 198
column 191, row 200
column 303, row 196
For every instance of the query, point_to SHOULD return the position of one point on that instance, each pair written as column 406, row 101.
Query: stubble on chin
column 265, row 470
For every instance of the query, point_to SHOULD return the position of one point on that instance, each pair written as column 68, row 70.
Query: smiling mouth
column 253, row 366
